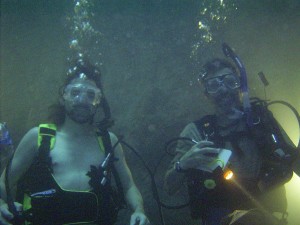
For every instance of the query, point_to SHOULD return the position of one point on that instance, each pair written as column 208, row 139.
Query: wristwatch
column 178, row 168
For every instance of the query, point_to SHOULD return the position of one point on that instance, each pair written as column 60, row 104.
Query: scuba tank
column 263, row 125
column 278, row 154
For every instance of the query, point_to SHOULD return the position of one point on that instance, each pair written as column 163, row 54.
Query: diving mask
column 229, row 80
column 82, row 93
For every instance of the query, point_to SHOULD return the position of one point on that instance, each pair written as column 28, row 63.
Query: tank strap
column 48, row 131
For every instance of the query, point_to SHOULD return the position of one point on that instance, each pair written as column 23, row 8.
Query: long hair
column 57, row 112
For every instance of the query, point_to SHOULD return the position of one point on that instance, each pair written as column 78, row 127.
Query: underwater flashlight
column 228, row 174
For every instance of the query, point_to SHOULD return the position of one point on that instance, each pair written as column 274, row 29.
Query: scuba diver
column 61, row 171
column 258, row 155
column 6, row 144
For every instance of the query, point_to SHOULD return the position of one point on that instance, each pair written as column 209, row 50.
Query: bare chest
column 72, row 158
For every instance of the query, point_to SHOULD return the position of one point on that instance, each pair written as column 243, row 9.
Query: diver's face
column 81, row 99
column 223, row 88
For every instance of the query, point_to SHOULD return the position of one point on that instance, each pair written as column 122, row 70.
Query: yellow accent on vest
column 40, row 135
column 26, row 202
column 100, row 142
column 210, row 183
column 26, row 205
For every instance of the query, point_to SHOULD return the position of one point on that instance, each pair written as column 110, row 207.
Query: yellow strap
column 26, row 202
column 27, row 206
column 40, row 135
column 100, row 142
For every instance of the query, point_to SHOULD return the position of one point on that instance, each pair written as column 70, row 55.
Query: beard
column 81, row 113
column 227, row 103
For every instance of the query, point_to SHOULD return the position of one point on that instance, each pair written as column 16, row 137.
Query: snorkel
column 228, row 52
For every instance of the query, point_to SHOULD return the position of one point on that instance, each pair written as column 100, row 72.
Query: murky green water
column 150, row 53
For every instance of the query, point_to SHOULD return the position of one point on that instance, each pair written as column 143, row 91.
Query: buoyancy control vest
column 276, row 169
column 46, row 203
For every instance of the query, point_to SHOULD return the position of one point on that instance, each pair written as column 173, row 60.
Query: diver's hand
column 200, row 154
column 139, row 218
column 6, row 215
